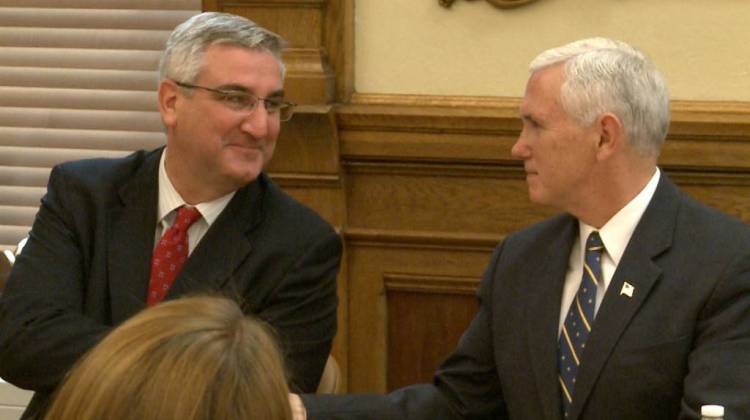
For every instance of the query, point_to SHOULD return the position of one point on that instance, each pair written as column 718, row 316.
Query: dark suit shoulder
column 718, row 234
column 529, row 237
column 713, row 219
column 98, row 172
column 289, row 215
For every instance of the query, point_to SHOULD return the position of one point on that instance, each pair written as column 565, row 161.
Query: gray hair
column 605, row 75
column 183, row 55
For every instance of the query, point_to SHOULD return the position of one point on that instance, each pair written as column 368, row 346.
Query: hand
column 298, row 409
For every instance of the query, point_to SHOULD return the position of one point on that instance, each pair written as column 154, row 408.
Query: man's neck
column 612, row 195
column 193, row 191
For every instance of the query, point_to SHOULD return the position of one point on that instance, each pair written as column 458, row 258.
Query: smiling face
column 214, row 149
column 558, row 153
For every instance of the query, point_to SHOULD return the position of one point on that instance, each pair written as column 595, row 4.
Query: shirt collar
column 617, row 231
column 170, row 199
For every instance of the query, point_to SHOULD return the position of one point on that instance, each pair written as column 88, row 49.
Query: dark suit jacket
column 681, row 340
column 86, row 269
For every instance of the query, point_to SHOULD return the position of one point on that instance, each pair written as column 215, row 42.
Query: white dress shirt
column 615, row 236
column 170, row 200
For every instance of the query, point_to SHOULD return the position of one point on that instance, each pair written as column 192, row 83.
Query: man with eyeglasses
column 114, row 236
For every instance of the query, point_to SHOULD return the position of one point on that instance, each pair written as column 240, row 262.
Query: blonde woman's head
column 197, row 358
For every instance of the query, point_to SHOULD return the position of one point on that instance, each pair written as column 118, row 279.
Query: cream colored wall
column 419, row 47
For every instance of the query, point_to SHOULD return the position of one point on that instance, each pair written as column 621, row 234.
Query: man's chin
column 537, row 197
column 247, row 178
column 243, row 176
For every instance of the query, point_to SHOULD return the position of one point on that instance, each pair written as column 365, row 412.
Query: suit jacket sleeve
column 719, row 364
column 466, row 386
column 43, row 328
column 303, row 311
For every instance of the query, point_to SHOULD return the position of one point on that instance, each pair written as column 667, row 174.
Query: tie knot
column 594, row 243
column 186, row 216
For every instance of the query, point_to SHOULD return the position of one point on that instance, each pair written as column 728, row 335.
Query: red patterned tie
column 170, row 254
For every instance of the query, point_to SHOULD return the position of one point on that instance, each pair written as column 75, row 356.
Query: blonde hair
column 197, row 358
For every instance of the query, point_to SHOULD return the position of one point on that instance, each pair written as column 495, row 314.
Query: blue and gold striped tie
column 579, row 320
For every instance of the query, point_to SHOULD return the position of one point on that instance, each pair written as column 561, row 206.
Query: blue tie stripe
column 578, row 321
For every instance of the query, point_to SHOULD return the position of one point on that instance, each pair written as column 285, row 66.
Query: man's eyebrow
column 529, row 118
column 279, row 94
column 234, row 88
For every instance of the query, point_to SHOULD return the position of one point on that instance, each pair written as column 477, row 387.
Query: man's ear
column 611, row 135
column 168, row 97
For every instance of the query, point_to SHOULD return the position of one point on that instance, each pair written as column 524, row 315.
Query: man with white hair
column 632, row 304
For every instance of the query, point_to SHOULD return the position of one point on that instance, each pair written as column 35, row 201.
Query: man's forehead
column 542, row 91
column 223, row 55
column 252, row 69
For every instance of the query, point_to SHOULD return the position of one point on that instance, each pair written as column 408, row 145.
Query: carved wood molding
column 431, row 114
column 417, row 169
column 461, row 114
column 388, row 238
column 427, row 283
column 703, row 134
column 302, row 180
column 503, row 4
column 704, row 178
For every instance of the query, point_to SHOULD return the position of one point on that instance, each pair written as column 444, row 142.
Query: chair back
column 6, row 263
column 330, row 381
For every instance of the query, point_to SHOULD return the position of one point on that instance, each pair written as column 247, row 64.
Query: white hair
column 183, row 55
column 605, row 75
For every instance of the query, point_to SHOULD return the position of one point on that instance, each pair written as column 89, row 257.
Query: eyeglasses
column 238, row 100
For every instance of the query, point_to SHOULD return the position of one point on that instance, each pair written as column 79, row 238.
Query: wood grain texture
column 371, row 303
column 338, row 40
column 426, row 317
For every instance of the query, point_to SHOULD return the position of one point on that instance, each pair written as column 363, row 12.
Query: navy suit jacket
column 86, row 269
column 681, row 340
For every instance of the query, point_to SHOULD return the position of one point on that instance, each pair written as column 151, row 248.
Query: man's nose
column 520, row 149
column 256, row 123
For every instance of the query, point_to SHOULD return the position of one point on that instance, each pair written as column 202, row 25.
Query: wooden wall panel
column 308, row 144
column 439, row 198
column 426, row 317
column 728, row 192
column 299, row 22
column 376, row 269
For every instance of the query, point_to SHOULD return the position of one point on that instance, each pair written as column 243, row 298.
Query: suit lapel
column 130, row 240
column 652, row 236
column 224, row 247
column 543, row 315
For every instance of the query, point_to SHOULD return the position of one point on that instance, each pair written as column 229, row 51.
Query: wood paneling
column 426, row 317
column 438, row 198
column 376, row 270
column 338, row 41
column 308, row 143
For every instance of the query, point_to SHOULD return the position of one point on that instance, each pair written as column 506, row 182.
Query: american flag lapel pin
column 627, row 290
